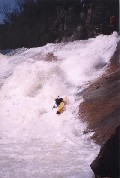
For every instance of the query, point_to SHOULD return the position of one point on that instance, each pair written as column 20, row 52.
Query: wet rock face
column 101, row 111
column 107, row 162
column 101, row 106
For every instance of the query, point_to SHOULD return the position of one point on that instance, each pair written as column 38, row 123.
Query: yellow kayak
column 61, row 108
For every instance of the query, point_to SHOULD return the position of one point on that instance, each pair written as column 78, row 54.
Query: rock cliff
column 101, row 110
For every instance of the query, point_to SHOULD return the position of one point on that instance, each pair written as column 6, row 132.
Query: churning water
column 34, row 141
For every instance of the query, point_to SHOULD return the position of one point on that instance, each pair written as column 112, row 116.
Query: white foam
column 49, row 145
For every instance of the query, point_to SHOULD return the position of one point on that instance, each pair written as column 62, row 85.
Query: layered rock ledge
column 101, row 110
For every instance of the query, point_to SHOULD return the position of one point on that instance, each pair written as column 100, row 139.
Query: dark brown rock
column 107, row 162
column 101, row 106
column 101, row 111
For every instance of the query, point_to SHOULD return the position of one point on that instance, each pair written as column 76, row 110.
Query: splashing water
column 34, row 141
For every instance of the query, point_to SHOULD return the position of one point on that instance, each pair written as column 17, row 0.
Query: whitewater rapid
column 34, row 141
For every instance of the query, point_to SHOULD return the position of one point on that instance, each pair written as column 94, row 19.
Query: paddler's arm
column 55, row 106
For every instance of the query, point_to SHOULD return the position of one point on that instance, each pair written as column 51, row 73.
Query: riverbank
column 101, row 110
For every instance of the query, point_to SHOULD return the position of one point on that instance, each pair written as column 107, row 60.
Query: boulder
column 101, row 105
column 107, row 162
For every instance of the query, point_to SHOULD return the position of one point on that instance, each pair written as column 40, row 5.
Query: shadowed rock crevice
column 107, row 162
